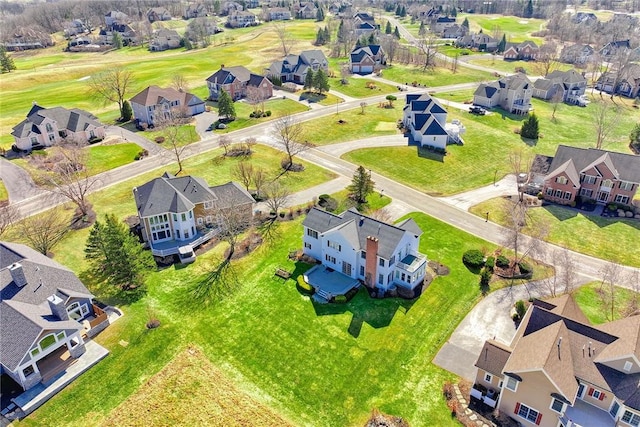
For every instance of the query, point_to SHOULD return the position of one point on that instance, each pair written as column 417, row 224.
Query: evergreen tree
column 398, row 10
column 372, row 39
column 359, row 43
column 115, row 254
column 361, row 185
column 308, row 80
column 127, row 112
column 341, row 32
column 320, row 38
column 465, row 23
column 634, row 137
column 403, row 12
column 502, row 46
column 387, row 29
column 453, row 12
column 320, row 14
column 6, row 62
column 225, row 105
column 396, row 33
column 321, row 81
column 327, row 35
column 116, row 40
column 528, row 10
column 530, row 127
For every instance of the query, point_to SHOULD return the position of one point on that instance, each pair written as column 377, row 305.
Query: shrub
column 490, row 263
column 302, row 284
column 521, row 309
column 502, row 261
column 267, row 113
column 525, row 268
column 323, row 197
column 485, row 277
column 612, row 207
column 540, row 196
column 159, row 139
column 473, row 258
column 340, row 299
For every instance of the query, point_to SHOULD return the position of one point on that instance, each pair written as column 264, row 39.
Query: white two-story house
column 380, row 255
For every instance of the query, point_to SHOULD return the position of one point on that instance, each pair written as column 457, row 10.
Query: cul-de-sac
column 320, row 213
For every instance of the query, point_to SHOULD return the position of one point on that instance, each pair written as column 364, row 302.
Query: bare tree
column 363, row 105
column 225, row 143
column 69, row 175
column 255, row 96
column 632, row 306
column 603, row 118
column 277, row 196
column 179, row 83
column 430, row 48
column 111, row 85
column 611, row 275
column 547, row 59
column 390, row 45
column 288, row 132
column 243, row 172
column 556, row 100
column 44, row 231
column 284, row 37
column 517, row 221
column 259, row 179
column 8, row 216
column 622, row 67
column 568, row 269
column 170, row 126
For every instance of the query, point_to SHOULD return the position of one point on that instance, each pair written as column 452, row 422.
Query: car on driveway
column 475, row 109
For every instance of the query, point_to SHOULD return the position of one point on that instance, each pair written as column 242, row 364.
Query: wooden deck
column 55, row 363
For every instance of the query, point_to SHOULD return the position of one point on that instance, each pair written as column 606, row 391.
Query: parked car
column 474, row 109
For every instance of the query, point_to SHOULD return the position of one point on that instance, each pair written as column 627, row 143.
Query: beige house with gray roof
column 511, row 93
column 559, row 370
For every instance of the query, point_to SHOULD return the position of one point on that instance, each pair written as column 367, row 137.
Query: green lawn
column 186, row 135
column 273, row 340
column 4, row 195
column 517, row 29
column 357, row 87
column 56, row 78
column 376, row 121
column 278, row 107
column 101, row 157
column 611, row 239
column 436, row 77
column 590, row 301
column 451, row 50
column 510, row 66
column 322, row 99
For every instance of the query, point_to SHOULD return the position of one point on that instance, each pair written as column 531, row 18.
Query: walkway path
column 128, row 136
column 505, row 187
column 17, row 181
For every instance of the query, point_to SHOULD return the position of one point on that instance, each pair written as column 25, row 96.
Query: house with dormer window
column 294, row 68
column 511, row 93
column 600, row 175
column 156, row 103
column 236, row 81
column 426, row 121
column 382, row 256
column 45, row 315
column 45, row 127
column 177, row 214
column 559, row 370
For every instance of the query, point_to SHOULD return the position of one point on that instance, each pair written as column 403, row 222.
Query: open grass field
column 310, row 364
column 510, row 66
column 590, row 301
column 357, row 87
column 319, row 98
column 517, row 29
column 186, row 135
column 191, row 381
column 278, row 107
column 376, row 121
column 4, row 195
column 612, row 239
column 488, row 142
column 56, row 78
column 437, row 77
column 101, row 157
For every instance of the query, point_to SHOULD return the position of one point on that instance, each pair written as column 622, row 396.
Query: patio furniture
column 281, row 272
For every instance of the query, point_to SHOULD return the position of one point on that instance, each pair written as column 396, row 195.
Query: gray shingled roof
column 24, row 311
column 627, row 165
column 356, row 227
column 74, row 120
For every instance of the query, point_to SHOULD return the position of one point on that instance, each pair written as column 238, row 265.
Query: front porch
column 582, row 414
column 329, row 283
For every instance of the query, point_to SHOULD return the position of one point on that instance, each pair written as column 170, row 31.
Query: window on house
column 307, row 245
column 199, row 221
column 561, row 180
column 549, row 191
column 92, row 134
column 556, row 405
column 488, row 377
column 28, row 371
column 558, row 193
column 627, row 366
column 607, row 183
column 622, row 199
column 208, row 204
column 334, row 245
column 47, row 341
column 186, row 234
column 35, row 352
column 586, row 192
column 381, row 262
column 381, row 279
column 631, row 418
column 363, row 254
column 596, row 394
column 49, row 127
column 500, row 384
column 34, row 140
column 588, row 179
column 183, row 216
column 627, row 186
column 190, row 214
column 60, row 336
column 175, row 217
column 529, row 414
column 512, row 384
column 52, row 137
column 362, row 270
column 208, row 219
column 330, row 259
column 567, row 195
column 614, row 409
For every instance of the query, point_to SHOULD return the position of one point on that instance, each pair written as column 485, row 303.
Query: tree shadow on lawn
column 378, row 313
column 563, row 213
column 312, row 97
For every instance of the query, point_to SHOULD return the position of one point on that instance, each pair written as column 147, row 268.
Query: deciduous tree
column 112, row 85
column 8, row 216
column 603, row 119
column 43, row 231
column 288, row 133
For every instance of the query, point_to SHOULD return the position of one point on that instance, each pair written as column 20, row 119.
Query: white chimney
column 17, row 274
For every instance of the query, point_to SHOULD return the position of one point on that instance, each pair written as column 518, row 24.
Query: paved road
column 503, row 187
column 18, row 182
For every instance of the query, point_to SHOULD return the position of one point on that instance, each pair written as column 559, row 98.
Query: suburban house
column 155, row 102
column 570, row 84
column 627, row 85
column 526, row 51
column 293, row 68
column 438, row 24
column 125, row 31
column 480, row 41
column 383, row 256
column 115, row 17
column 241, row 19
column 612, row 48
column 164, row 39
column 511, row 93
column 278, row 14
column 604, row 176
column 559, row 370
column 576, row 54
column 45, row 127
column 426, row 120
column 367, row 59
column 252, row 4
column 305, row 10
column 177, row 214
column 76, row 27
column 158, row 14
column 230, row 7
column 195, row 10
column 584, row 18
column 364, row 24
column 237, row 81
column 46, row 312
column 454, row 31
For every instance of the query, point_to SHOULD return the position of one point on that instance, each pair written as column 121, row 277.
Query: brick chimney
column 57, row 307
column 371, row 262
column 17, row 274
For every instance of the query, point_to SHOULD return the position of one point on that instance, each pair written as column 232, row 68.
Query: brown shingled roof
column 493, row 357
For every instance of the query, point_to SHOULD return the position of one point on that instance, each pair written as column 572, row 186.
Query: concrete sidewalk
column 505, row 187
